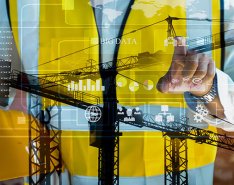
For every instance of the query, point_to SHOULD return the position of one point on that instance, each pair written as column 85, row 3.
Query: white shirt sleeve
column 225, row 87
column 226, row 94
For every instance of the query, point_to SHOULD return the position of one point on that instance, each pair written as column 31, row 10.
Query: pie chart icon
column 121, row 82
column 148, row 85
column 133, row 86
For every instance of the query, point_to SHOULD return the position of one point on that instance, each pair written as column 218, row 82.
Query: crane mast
column 44, row 138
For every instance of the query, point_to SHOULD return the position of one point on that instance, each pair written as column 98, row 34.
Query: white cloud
column 228, row 4
column 111, row 13
column 191, row 2
column 199, row 15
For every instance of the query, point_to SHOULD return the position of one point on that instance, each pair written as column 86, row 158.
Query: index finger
column 178, row 59
column 180, row 48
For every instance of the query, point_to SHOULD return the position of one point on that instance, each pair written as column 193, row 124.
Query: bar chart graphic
column 121, row 82
column 86, row 85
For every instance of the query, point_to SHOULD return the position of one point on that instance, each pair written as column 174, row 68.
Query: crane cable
column 133, row 31
column 105, row 41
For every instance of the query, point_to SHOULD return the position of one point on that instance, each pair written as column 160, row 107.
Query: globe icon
column 93, row 114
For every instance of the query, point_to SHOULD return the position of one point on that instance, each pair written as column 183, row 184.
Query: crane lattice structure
column 44, row 141
column 46, row 86
column 173, row 130
column 83, row 100
column 175, row 147
column 44, row 138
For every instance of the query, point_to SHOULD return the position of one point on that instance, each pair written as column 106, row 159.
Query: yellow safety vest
column 13, row 128
column 67, row 27
column 144, row 147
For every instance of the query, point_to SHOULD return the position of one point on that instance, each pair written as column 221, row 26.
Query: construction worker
column 45, row 30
